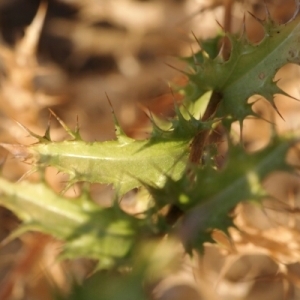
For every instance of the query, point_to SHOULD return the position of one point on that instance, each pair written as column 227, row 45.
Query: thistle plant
column 190, row 194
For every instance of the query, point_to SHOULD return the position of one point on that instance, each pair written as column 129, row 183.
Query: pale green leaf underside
column 125, row 165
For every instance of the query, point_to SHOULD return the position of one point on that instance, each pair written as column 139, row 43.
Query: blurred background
column 68, row 55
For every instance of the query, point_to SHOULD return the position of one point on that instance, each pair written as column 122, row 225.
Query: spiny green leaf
column 249, row 71
column 105, row 234
column 124, row 165
column 123, row 162
column 207, row 195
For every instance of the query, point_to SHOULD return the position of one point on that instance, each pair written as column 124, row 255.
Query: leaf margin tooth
column 75, row 135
